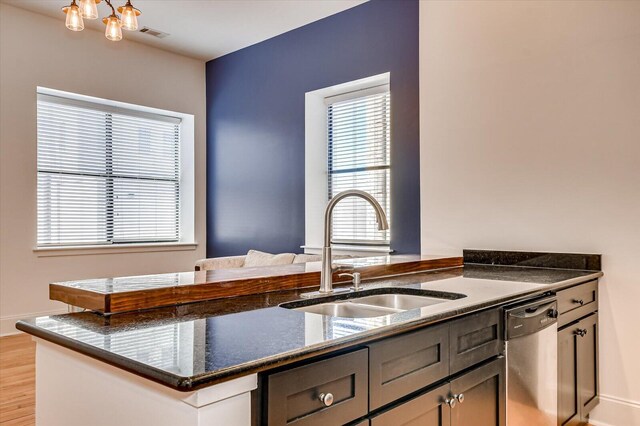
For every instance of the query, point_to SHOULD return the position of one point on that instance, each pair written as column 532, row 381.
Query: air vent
column 154, row 33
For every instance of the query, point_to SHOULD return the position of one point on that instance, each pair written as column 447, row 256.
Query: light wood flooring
column 17, row 380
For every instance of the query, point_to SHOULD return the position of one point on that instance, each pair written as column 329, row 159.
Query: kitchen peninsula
column 263, row 358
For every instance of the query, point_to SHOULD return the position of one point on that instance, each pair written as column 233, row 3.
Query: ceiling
column 207, row 29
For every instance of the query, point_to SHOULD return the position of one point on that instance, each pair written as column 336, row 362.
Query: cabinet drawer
column 475, row 338
column 576, row 302
column 401, row 365
column 293, row 396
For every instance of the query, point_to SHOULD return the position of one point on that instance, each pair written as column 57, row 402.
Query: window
column 106, row 174
column 358, row 140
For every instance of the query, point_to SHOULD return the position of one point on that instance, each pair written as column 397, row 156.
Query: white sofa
column 256, row 258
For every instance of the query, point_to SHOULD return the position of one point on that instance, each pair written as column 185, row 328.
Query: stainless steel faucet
column 326, row 282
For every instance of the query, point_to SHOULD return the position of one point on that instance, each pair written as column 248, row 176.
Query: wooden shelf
column 124, row 294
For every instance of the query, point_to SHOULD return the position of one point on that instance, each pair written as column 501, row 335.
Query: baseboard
column 612, row 411
column 8, row 323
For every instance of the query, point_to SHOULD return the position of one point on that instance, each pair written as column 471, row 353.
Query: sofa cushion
column 260, row 258
column 228, row 262
column 305, row 257
column 302, row 258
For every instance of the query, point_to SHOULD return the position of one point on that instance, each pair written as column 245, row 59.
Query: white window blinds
column 359, row 138
column 106, row 175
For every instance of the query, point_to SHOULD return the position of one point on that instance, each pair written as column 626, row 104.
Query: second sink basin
column 372, row 303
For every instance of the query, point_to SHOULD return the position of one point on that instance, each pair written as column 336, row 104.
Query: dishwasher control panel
column 530, row 317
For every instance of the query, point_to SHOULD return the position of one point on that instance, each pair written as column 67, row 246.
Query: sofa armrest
column 228, row 262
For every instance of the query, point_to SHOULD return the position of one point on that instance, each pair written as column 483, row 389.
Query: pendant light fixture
column 129, row 16
column 88, row 9
column 114, row 28
column 74, row 18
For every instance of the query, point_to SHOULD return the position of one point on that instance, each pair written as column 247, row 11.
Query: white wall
column 530, row 140
column 36, row 50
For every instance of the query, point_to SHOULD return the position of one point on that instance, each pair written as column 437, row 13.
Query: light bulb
column 89, row 9
column 129, row 16
column 74, row 17
column 114, row 28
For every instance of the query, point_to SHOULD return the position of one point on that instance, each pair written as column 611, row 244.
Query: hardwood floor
column 17, row 380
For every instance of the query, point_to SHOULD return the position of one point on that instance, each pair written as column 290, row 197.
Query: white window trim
column 112, row 249
column 316, row 173
column 187, row 185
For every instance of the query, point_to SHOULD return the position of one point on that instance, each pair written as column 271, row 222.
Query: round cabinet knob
column 326, row 399
column 578, row 301
column 553, row 313
column 460, row 398
column 451, row 402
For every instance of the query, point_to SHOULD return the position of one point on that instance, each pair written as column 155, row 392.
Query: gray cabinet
column 407, row 363
column 392, row 369
column 328, row 392
column 428, row 409
column 588, row 386
column 475, row 338
column 475, row 398
column 578, row 384
column 577, row 302
column 481, row 396
column 568, row 410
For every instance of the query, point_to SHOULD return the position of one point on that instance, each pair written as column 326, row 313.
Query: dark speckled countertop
column 197, row 345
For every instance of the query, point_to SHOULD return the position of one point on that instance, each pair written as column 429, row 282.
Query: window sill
column 112, row 249
column 338, row 248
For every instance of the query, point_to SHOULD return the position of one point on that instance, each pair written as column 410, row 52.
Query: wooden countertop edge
column 112, row 303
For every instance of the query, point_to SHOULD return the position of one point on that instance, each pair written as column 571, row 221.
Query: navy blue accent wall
column 255, row 124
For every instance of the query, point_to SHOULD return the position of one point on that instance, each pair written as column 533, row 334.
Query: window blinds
column 106, row 175
column 359, row 138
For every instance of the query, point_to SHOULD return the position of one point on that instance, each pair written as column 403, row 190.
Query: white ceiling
column 207, row 29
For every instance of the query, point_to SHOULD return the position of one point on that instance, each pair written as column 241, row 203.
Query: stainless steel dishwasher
column 532, row 362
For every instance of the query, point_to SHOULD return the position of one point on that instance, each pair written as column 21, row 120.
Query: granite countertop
column 200, row 344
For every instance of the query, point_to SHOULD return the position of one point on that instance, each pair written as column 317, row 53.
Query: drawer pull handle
column 326, row 399
column 578, row 301
column 451, row 402
column 460, row 398
column 581, row 332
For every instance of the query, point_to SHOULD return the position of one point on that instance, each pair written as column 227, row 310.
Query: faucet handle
column 355, row 279
column 339, row 268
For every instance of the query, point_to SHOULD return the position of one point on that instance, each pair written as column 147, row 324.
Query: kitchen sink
column 372, row 303
column 347, row 310
column 403, row 302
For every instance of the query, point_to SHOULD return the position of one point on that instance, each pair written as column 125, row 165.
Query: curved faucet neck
column 328, row 213
column 326, row 273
